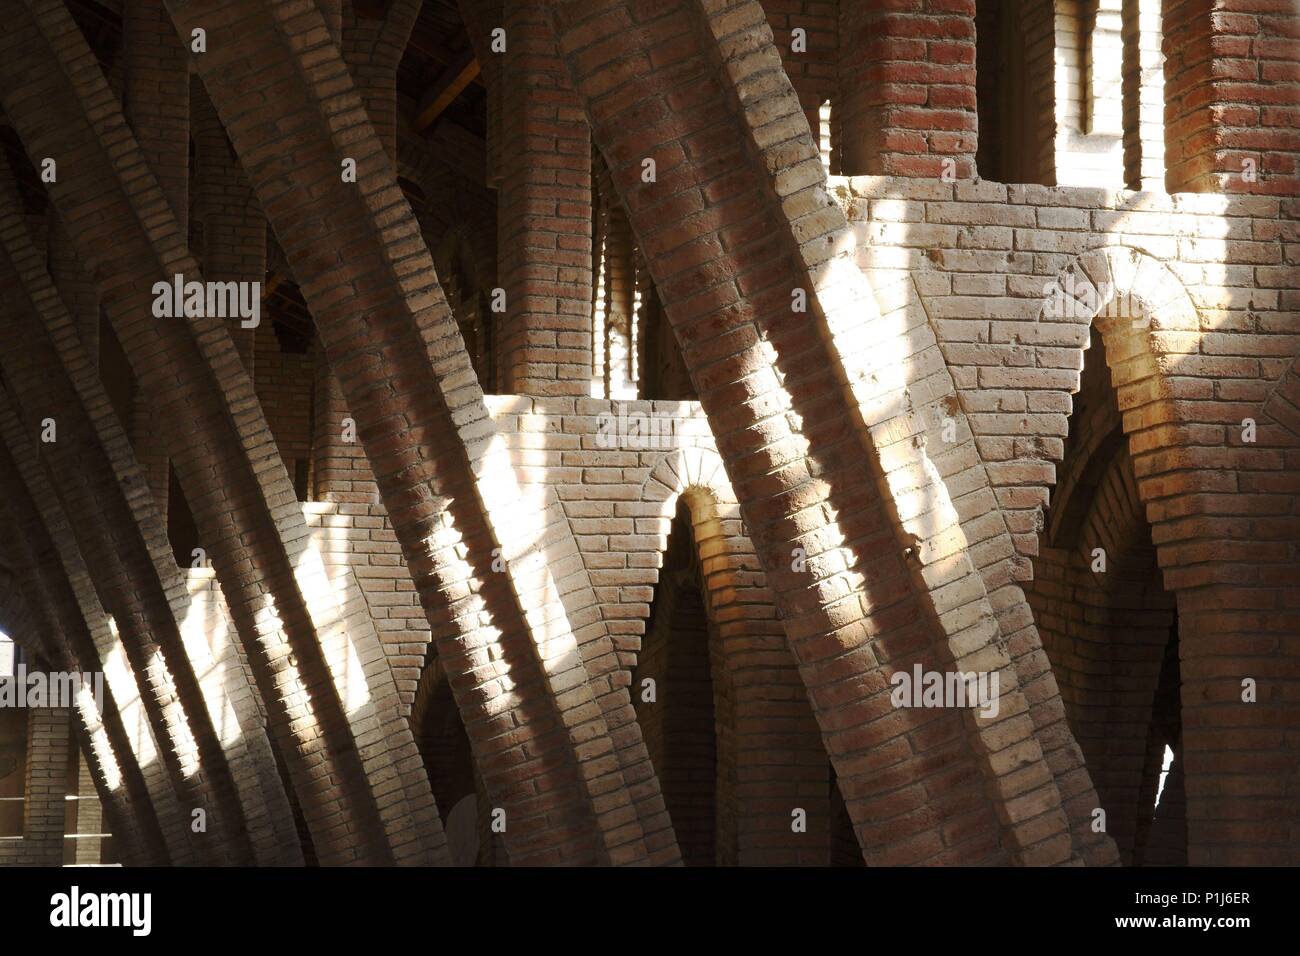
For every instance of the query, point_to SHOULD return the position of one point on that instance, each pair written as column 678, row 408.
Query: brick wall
column 958, row 300
column 545, row 208
column 1232, row 79
column 47, row 733
column 620, row 501
column 977, row 261
column 1214, row 276
column 907, row 88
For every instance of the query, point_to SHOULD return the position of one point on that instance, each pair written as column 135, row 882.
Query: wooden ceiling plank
column 444, row 91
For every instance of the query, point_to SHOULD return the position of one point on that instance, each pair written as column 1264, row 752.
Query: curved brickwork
column 471, row 484
column 125, row 547
column 1189, row 380
column 1106, row 621
column 619, row 470
column 298, row 639
column 780, row 442
column 1225, row 541
column 759, row 376
column 769, row 725
column 125, row 745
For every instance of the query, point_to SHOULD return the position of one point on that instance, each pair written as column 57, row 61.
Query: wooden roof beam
column 449, row 85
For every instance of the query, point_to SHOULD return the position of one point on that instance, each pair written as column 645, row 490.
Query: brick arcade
column 631, row 391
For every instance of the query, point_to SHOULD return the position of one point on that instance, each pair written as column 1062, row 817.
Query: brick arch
column 444, row 745
column 1114, row 272
column 1225, row 535
column 737, row 218
column 770, row 725
column 125, row 545
column 1104, row 287
column 1106, row 634
column 449, row 492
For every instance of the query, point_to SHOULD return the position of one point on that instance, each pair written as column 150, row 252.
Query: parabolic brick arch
column 702, row 432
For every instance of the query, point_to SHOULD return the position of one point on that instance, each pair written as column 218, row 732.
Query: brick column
column 155, row 99
column 1232, row 83
column 234, row 231
column 544, row 216
column 372, row 49
column 907, row 88
column 48, row 730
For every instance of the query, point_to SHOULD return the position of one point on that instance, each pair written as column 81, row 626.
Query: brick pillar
column 1232, row 103
column 544, row 216
column 907, row 88
column 372, row 49
column 75, row 285
column 234, row 231
column 48, row 730
column 1240, row 809
column 156, row 95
